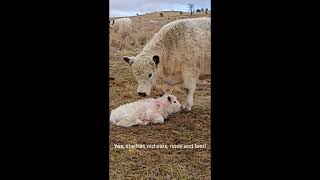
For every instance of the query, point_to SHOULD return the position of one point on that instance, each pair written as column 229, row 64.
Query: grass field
column 182, row 128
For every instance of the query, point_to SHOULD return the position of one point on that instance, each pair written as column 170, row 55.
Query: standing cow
column 179, row 53
column 122, row 26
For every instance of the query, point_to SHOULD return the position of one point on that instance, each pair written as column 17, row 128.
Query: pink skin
column 151, row 115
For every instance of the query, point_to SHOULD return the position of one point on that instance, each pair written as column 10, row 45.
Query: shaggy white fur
column 122, row 26
column 179, row 53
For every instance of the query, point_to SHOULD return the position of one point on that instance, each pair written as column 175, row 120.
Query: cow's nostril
column 142, row 94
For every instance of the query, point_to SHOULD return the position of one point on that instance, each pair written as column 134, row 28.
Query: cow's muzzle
column 142, row 94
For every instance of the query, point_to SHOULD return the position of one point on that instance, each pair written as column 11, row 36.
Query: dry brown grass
column 182, row 128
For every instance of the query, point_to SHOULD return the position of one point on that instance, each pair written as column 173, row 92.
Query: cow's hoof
column 186, row 109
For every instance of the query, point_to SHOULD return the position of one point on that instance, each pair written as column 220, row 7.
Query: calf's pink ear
column 158, row 105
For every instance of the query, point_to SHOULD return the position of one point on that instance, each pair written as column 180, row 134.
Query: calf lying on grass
column 145, row 111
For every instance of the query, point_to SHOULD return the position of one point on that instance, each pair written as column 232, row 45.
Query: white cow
column 122, row 26
column 179, row 53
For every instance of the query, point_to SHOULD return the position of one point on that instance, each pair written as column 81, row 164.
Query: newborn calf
column 145, row 111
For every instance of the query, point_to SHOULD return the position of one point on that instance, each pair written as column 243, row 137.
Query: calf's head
column 144, row 70
column 170, row 103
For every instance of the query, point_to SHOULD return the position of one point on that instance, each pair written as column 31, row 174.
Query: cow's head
column 111, row 23
column 144, row 70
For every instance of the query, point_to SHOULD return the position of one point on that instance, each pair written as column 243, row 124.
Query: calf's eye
column 174, row 101
column 150, row 75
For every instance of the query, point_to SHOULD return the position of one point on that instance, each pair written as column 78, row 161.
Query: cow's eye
column 174, row 101
column 150, row 75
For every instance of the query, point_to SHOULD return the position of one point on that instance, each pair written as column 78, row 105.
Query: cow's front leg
column 189, row 100
column 190, row 83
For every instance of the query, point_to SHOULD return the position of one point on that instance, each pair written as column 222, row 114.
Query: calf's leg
column 125, row 122
column 158, row 119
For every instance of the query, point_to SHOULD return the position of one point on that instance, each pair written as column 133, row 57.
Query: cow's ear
column 156, row 59
column 129, row 60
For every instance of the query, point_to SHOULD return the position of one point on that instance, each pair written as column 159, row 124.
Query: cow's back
column 123, row 25
column 188, row 44
column 197, row 47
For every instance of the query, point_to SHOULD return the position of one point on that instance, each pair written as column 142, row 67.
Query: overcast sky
column 132, row 7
